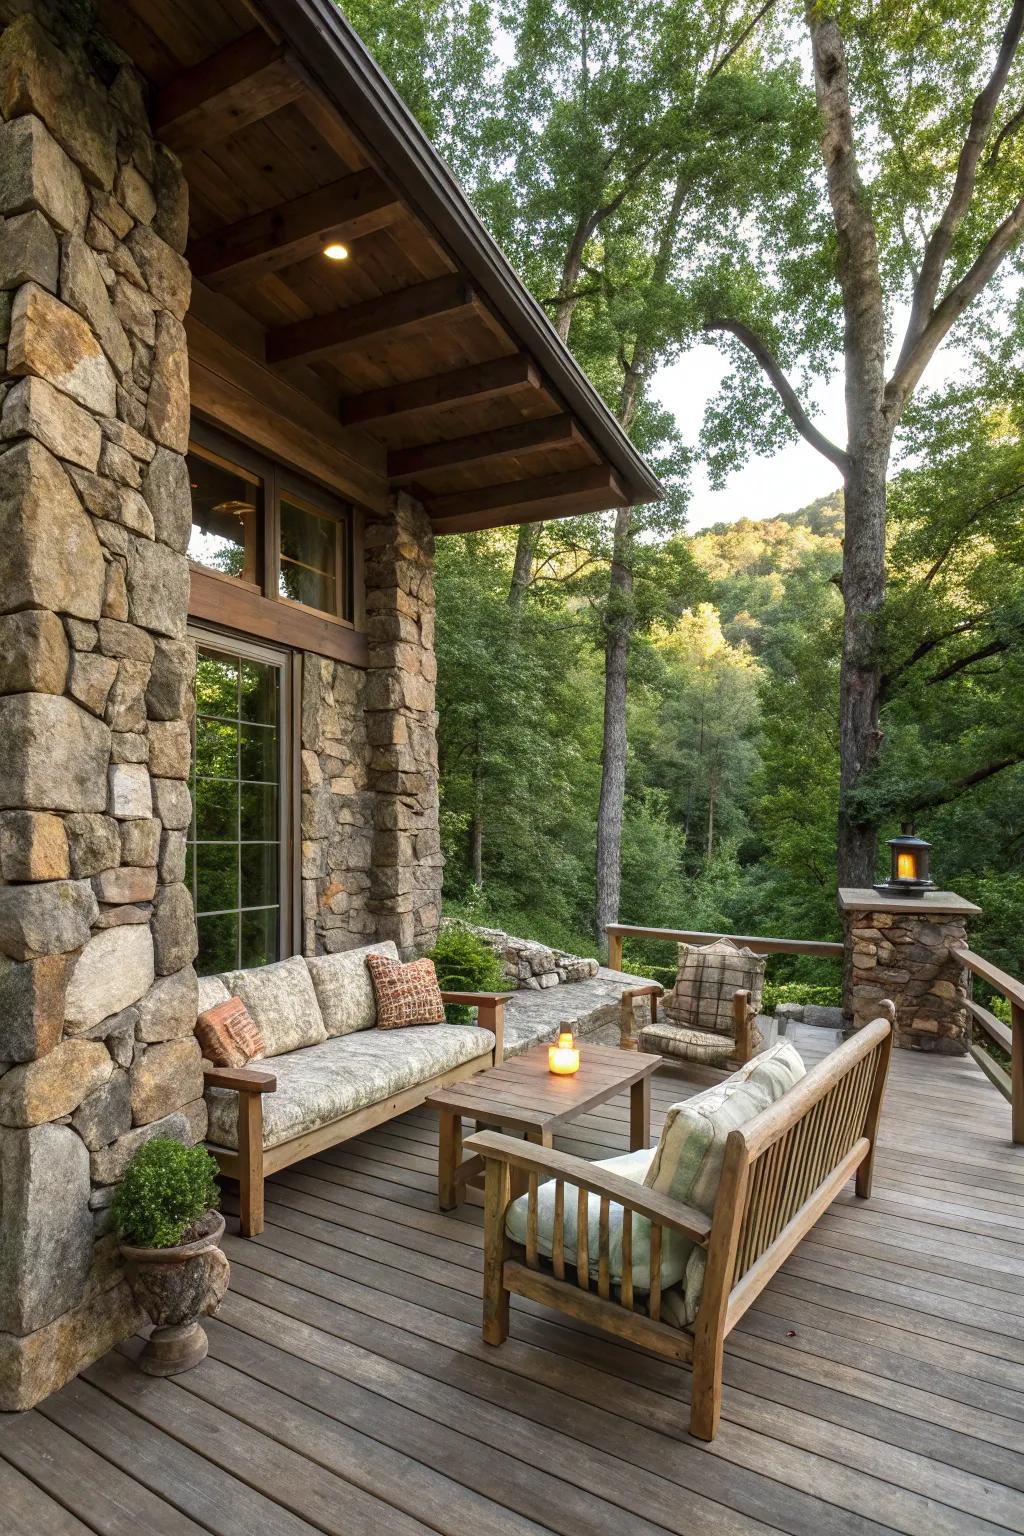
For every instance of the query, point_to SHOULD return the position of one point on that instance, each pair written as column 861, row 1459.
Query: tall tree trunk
column 618, row 638
column 522, row 570
column 476, row 830
column 860, row 673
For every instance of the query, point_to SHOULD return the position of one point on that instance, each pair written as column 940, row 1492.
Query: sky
column 765, row 486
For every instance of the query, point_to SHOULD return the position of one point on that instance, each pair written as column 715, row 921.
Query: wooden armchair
column 680, row 1046
column 782, row 1170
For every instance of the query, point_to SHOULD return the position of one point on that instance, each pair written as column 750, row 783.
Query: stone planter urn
column 176, row 1286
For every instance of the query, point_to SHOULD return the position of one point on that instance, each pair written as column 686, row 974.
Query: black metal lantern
column 909, row 873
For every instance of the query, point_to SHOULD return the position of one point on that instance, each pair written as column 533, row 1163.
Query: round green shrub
column 464, row 963
column 776, row 992
column 166, row 1187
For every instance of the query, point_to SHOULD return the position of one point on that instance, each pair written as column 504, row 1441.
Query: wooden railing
column 760, row 945
column 1010, row 1037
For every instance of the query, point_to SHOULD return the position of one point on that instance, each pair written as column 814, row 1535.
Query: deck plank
column 877, row 1385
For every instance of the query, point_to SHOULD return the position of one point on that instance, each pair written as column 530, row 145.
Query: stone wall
column 909, row 957
column 371, row 853
column 534, row 966
column 97, row 937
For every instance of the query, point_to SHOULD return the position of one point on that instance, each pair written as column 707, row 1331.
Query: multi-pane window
column 235, row 844
column 258, row 523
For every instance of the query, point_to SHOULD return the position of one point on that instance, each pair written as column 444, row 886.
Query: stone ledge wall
column 533, row 966
column 907, row 957
column 97, row 936
column 371, row 851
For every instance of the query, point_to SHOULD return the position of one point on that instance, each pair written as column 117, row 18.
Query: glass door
column 237, row 852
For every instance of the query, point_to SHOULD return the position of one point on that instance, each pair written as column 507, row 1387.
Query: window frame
column 288, row 828
column 262, row 612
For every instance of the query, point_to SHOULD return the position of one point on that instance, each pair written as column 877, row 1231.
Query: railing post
column 614, row 950
column 1017, row 1074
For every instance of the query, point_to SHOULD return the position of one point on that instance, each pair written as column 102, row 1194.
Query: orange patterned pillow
column 228, row 1035
column 406, row 994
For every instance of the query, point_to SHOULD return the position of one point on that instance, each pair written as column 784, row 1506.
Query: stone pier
column 903, row 948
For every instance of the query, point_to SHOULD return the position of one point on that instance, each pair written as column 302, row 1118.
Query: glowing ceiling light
column 336, row 251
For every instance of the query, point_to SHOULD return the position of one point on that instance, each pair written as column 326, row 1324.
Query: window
column 263, row 527
column 237, row 850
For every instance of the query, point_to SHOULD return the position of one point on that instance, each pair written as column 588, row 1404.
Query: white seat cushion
column 632, row 1165
column 324, row 1082
column 344, row 988
column 283, row 1004
column 687, row 1165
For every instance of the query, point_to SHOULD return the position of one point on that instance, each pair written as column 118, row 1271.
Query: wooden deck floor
column 877, row 1385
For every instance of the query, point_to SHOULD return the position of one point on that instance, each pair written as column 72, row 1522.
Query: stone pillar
column 903, row 948
column 97, row 936
column 401, row 727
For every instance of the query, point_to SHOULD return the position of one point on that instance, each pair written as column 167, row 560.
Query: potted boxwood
column 166, row 1215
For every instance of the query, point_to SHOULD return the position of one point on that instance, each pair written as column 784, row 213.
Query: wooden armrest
column 476, row 999
column 651, row 989
column 658, row 1208
column 242, row 1079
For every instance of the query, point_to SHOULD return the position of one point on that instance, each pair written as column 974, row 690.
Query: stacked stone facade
column 908, row 956
column 371, row 852
column 97, row 937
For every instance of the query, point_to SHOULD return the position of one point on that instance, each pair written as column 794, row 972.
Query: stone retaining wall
column 534, row 966
column 97, row 937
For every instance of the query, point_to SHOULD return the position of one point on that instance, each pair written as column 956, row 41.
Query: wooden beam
column 264, row 242
column 373, row 320
column 592, row 489
column 500, row 377
column 405, row 464
column 245, row 81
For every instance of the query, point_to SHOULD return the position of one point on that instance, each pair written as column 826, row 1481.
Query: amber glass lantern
column 564, row 1057
column 909, row 872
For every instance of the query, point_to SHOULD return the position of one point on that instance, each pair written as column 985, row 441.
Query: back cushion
column 211, row 992
column 688, row 1162
column 707, row 978
column 282, row 1002
column 344, row 988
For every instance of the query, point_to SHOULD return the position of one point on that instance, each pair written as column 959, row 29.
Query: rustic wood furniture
column 522, row 1095
column 252, row 1163
column 743, row 1015
column 782, row 1170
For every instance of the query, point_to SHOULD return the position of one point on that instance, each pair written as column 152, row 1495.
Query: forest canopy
column 817, row 193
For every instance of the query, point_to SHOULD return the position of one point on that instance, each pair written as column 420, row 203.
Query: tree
column 923, row 179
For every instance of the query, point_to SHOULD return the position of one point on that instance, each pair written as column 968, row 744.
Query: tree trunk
column 860, row 672
column 619, row 630
column 476, row 830
column 522, row 570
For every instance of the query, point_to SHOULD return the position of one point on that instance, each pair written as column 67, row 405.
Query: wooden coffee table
column 523, row 1096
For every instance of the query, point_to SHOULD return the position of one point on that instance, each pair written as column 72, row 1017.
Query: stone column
column 903, row 948
column 97, row 936
column 401, row 727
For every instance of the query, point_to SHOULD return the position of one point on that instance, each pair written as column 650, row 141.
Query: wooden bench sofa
column 330, row 1073
column 612, row 1245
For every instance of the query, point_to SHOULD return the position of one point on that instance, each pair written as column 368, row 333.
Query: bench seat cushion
column 324, row 1082
column 631, row 1165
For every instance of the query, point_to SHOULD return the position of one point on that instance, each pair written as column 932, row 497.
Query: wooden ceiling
column 422, row 343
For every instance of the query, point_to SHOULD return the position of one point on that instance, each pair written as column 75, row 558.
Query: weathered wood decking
column 877, row 1385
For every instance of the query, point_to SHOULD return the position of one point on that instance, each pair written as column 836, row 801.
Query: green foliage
column 464, row 963
column 166, row 1188
column 776, row 992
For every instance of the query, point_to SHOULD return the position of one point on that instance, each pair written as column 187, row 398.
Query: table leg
column 449, row 1156
column 640, row 1115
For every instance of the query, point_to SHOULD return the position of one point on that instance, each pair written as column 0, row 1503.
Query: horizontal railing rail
column 1009, row 1037
column 760, row 945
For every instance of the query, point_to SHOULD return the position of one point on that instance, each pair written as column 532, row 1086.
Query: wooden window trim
column 235, row 604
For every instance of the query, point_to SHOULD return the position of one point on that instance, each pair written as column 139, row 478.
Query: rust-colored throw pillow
column 406, row 994
column 227, row 1034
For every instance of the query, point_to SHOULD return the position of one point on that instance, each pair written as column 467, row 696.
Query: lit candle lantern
column 564, row 1058
column 909, row 874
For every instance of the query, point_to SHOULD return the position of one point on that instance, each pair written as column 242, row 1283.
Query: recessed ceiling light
column 336, row 251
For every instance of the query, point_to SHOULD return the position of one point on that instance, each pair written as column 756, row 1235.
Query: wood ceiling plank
column 265, row 242
column 499, row 377
column 389, row 315
column 408, row 464
column 594, row 489
column 243, row 82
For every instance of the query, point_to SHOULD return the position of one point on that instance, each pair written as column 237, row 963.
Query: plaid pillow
column 227, row 1034
column 406, row 994
column 707, row 977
